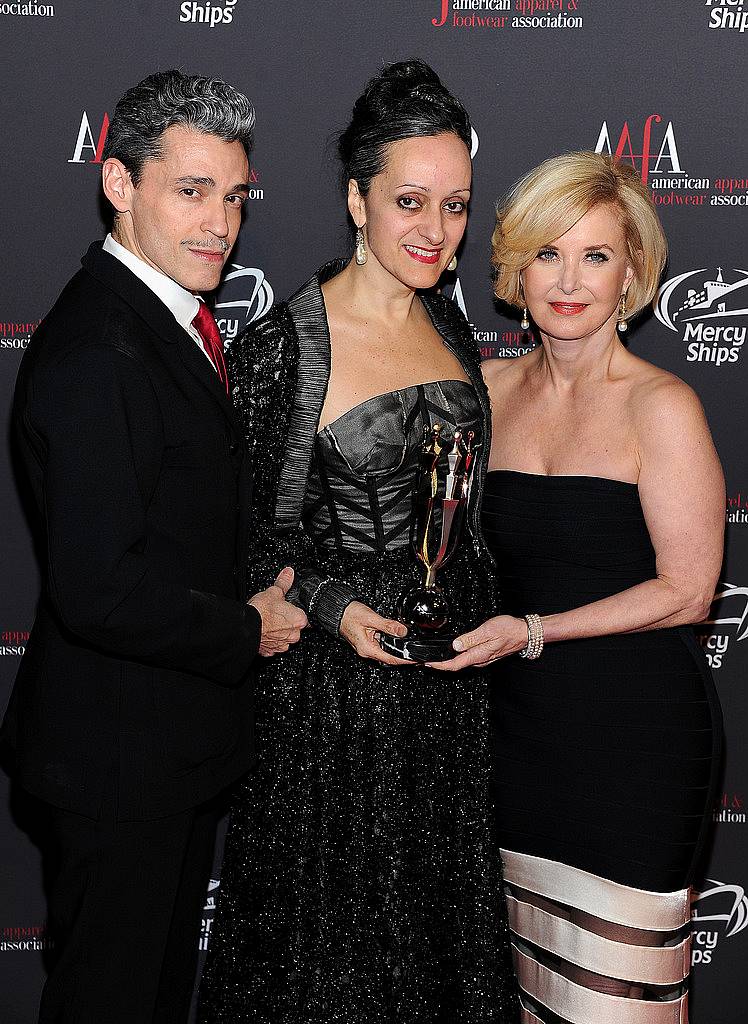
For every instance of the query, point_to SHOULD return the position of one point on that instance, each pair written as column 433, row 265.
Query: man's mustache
column 219, row 243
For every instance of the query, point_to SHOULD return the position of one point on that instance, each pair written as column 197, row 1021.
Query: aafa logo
column 664, row 153
column 245, row 296
column 733, row 919
column 86, row 142
column 701, row 311
column 653, row 153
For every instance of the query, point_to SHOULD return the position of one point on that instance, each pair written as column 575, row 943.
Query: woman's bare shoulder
column 660, row 400
column 501, row 373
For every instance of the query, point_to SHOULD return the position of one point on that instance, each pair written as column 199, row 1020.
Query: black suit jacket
column 135, row 683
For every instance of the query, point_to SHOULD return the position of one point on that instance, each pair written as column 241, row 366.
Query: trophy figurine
column 440, row 504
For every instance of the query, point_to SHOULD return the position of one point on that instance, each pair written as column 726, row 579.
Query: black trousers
column 125, row 910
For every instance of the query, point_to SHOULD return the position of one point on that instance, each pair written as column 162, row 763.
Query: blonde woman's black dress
column 605, row 758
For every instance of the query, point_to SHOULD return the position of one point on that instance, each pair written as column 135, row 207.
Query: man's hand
column 360, row 626
column 282, row 622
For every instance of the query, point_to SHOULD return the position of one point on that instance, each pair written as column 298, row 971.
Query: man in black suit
column 132, row 710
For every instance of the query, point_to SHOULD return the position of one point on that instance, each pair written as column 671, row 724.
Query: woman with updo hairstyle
column 604, row 509
column 361, row 880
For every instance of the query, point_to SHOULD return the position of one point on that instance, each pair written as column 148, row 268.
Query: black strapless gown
column 361, row 883
column 605, row 756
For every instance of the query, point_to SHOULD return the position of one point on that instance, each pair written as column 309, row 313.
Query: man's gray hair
column 171, row 98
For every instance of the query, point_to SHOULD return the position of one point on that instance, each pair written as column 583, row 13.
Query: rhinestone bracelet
column 316, row 595
column 534, row 638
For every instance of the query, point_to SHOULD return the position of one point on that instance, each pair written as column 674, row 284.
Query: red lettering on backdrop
column 646, row 150
column 102, row 140
column 625, row 149
column 445, row 8
column 625, row 146
column 85, row 141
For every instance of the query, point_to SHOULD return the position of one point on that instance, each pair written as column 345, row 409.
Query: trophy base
column 418, row 647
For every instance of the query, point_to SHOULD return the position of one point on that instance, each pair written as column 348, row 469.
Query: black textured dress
column 605, row 758
column 361, row 883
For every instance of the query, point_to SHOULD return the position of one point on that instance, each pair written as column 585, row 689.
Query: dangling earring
column 360, row 248
column 452, row 265
column 525, row 321
column 623, row 324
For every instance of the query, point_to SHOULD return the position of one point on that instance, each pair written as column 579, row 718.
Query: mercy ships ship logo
column 709, row 312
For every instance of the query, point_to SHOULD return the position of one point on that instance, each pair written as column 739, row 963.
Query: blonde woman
column 604, row 509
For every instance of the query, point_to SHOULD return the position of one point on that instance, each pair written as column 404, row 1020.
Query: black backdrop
column 662, row 84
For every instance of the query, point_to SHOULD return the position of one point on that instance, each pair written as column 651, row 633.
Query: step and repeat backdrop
column 662, row 86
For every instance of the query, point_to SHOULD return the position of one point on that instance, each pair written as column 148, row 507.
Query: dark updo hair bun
column 403, row 101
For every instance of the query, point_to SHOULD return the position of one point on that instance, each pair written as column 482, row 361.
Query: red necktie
column 206, row 326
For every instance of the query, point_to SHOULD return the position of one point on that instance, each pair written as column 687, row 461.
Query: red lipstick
column 429, row 256
column 569, row 308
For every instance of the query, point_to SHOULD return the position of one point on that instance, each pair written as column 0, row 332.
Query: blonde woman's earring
column 452, row 265
column 360, row 248
column 525, row 321
column 623, row 324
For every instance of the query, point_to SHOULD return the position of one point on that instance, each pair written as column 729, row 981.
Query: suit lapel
column 201, row 369
column 115, row 275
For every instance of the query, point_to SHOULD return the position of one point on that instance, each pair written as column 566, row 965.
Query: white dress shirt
column 183, row 305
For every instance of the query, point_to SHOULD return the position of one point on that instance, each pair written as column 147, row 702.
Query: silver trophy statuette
column 442, row 490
